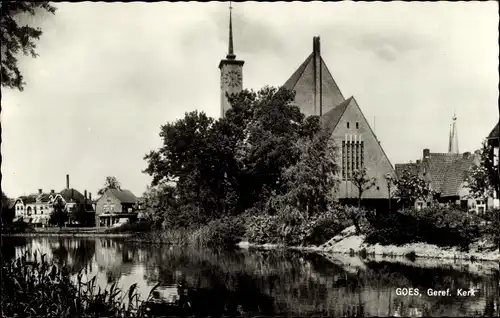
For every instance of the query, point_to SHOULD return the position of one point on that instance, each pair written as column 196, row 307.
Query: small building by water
column 116, row 206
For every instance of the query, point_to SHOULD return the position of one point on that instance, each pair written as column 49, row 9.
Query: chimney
column 90, row 196
column 418, row 162
column 39, row 191
column 85, row 195
column 427, row 153
column 466, row 155
column 316, row 45
column 318, row 94
column 67, row 181
column 52, row 191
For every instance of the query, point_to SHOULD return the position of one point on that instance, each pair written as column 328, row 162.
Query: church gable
column 316, row 92
column 358, row 147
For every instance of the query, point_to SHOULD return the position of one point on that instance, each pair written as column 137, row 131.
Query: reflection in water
column 206, row 283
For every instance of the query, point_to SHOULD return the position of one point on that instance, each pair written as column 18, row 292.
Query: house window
column 357, row 125
column 347, row 125
column 352, row 158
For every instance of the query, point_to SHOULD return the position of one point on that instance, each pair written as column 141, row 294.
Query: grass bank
column 347, row 242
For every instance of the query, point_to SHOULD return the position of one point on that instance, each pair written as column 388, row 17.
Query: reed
column 33, row 287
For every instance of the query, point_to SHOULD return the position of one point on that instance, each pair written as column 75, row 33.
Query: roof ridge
column 330, row 73
column 373, row 133
column 294, row 78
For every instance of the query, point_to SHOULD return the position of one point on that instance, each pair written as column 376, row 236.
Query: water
column 250, row 282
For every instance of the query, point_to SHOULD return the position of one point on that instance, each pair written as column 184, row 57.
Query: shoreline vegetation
column 345, row 243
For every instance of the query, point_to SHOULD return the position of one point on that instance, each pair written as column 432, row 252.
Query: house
column 317, row 93
column 116, row 205
column 446, row 174
column 37, row 208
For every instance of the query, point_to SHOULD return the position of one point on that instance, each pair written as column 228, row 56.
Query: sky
column 109, row 75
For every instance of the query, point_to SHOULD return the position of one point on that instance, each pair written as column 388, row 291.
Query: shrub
column 18, row 227
column 262, row 229
column 221, row 233
column 437, row 225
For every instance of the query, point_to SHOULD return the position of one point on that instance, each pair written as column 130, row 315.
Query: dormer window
column 347, row 125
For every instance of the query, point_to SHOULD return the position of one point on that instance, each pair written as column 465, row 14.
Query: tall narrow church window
column 344, row 157
column 352, row 158
column 348, row 125
column 357, row 125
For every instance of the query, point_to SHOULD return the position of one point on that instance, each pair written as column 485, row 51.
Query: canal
column 253, row 282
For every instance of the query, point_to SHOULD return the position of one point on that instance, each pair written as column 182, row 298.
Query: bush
column 262, row 229
column 292, row 228
column 221, row 233
column 18, row 227
column 441, row 226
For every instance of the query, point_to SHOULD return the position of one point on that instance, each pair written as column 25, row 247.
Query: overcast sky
column 109, row 74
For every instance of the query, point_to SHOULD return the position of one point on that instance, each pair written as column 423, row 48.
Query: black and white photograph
column 250, row 159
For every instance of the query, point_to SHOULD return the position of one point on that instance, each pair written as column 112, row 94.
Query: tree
column 110, row 183
column 59, row 215
column 483, row 179
column 7, row 214
column 311, row 182
column 16, row 38
column 411, row 187
column 228, row 165
column 390, row 181
column 160, row 201
column 362, row 182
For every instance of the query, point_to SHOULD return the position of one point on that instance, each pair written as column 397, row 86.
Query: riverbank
column 347, row 242
column 69, row 232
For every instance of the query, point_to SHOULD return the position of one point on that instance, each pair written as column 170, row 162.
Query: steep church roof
column 330, row 119
column 316, row 92
column 494, row 133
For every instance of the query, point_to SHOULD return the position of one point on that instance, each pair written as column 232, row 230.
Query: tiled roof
column 27, row 199
column 125, row 196
column 331, row 118
column 448, row 171
column 494, row 133
column 72, row 194
column 455, row 175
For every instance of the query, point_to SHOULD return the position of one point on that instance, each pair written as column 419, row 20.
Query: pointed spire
column 453, row 143
column 230, row 53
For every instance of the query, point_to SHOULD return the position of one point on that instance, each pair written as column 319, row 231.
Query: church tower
column 453, row 142
column 231, row 72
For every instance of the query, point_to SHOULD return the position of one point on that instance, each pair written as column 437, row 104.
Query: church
column 317, row 94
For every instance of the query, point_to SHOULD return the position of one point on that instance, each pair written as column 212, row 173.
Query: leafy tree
column 390, row 182
column 483, row 179
column 7, row 214
column 411, row 187
column 16, row 37
column 228, row 165
column 311, row 182
column 59, row 215
column 362, row 182
column 110, row 183
column 159, row 200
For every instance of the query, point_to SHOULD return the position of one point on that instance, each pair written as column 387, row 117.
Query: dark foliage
column 438, row 225
column 17, row 37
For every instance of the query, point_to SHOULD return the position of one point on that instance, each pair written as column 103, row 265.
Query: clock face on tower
column 232, row 78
